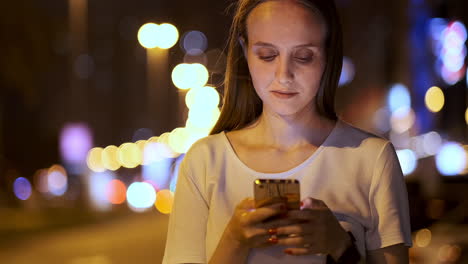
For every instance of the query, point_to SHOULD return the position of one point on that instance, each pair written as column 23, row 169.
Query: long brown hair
column 241, row 104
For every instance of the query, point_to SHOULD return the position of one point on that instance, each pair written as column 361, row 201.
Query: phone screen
column 268, row 191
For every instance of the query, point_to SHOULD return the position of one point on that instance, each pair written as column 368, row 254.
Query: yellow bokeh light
column 148, row 35
column 109, row 158
column 167, row 36
column 129, row 155
column 186, row 76
column 94, row 160
column 449, row 253
column 202, row 118
column 178, row 140
column 466, row 116
column 164, row 201
column 423, row 237
column 205, row 97
column 164, row 149
column 434, row 99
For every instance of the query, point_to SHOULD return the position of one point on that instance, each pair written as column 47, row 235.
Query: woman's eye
column 304, row 59
column 267, row 58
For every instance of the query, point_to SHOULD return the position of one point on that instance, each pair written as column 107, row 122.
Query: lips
column 284, row 94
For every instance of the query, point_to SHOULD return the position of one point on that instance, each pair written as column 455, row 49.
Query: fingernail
column 288, row 251
column 272, row 231
column 273, row 240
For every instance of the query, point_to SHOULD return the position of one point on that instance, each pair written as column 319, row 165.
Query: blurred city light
column 194, row 43
column 381, row 120
column 178, row 140
column 40, row 180
column 186, row 76
column 449, row 253
column 202, row 118
column 115, row 191
column 22, row 188
column 408, row 161
column 347, row 72
column 75, row 142
column 129, row 155
column 57, row 181
column 202, row 97
column 451, row 159
column 398, row 98
column 434, row 99
column 423, row 237
column 148, row 35
column 164, row 201
column 94, row 160
column 167, row 36
column 164, row 149
column 158, row 172
column 432, row 143
column 402, row 119
column 141, row 195
column 466, row 116
column 109, row 158
column 98, row 182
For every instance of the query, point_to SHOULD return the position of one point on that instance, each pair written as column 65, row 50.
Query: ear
column 243, row 45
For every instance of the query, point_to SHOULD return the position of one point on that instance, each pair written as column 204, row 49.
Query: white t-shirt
column 355, row 173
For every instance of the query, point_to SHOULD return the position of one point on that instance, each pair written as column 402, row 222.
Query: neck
column 289, row 132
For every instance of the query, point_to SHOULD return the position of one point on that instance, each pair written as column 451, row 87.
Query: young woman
column 278, row 122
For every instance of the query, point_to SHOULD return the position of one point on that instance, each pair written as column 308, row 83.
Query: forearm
column 229, row 251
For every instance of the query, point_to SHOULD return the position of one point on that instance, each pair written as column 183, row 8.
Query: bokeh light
column 94, row 160
column 40, row 180
column 98, row 182
column 402, row 119
column 186, row 76
column 129, row 155
column 75, row 142
column 22, row 188
column 167, row 36
column 164, row 201
column 434, row 99
column 109, row 158
column 178, row 139
column 202, row 118
column 202, row 97
column 148, row 35
column 57, row 180
column 423, row 237
column 432, row 142
column 141, row 195
column 158, row 173
column 381, row 120
column 398, row 97
column 449, row 253
column 451, row 159
column 348, row 71
column 408, row 161
column 466, row 116
column 164, row 149
column 194, row 43
column 115, row 191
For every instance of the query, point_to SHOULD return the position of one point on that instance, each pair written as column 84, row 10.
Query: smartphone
column 269, row 191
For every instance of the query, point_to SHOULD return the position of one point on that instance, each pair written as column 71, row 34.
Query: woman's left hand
column 317, row 231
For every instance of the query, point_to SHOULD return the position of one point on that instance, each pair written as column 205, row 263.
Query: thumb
column 312, row 203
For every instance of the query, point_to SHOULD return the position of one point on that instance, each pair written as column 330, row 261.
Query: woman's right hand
column 247, row 224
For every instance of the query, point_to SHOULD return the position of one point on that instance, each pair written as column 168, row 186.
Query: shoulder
column 349, row 136
column 206, row 148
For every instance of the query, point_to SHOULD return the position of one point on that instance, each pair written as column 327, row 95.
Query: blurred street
column 136, row 238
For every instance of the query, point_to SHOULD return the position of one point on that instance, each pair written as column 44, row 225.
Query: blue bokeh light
column 451, row 159
column 398, row 97
column 141, row 195
column 22, row 188
column 408, row 161
column 347, row 72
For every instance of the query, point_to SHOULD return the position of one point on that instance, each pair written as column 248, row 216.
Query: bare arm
column 396, row 254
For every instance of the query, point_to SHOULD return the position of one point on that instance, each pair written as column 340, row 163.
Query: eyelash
column 271, row 58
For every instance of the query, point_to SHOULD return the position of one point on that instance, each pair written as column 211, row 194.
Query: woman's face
column 285, row 54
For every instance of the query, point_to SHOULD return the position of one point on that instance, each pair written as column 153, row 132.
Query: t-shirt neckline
column 291, row 171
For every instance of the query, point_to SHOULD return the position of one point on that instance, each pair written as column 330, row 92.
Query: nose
column 284, row 72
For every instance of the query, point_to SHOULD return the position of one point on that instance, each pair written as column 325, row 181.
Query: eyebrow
column 266, row 44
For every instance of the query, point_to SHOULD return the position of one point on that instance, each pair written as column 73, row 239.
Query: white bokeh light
column 451, row 159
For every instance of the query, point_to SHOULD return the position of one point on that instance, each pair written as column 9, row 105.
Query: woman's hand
column 316, row 231
column 247, row 224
